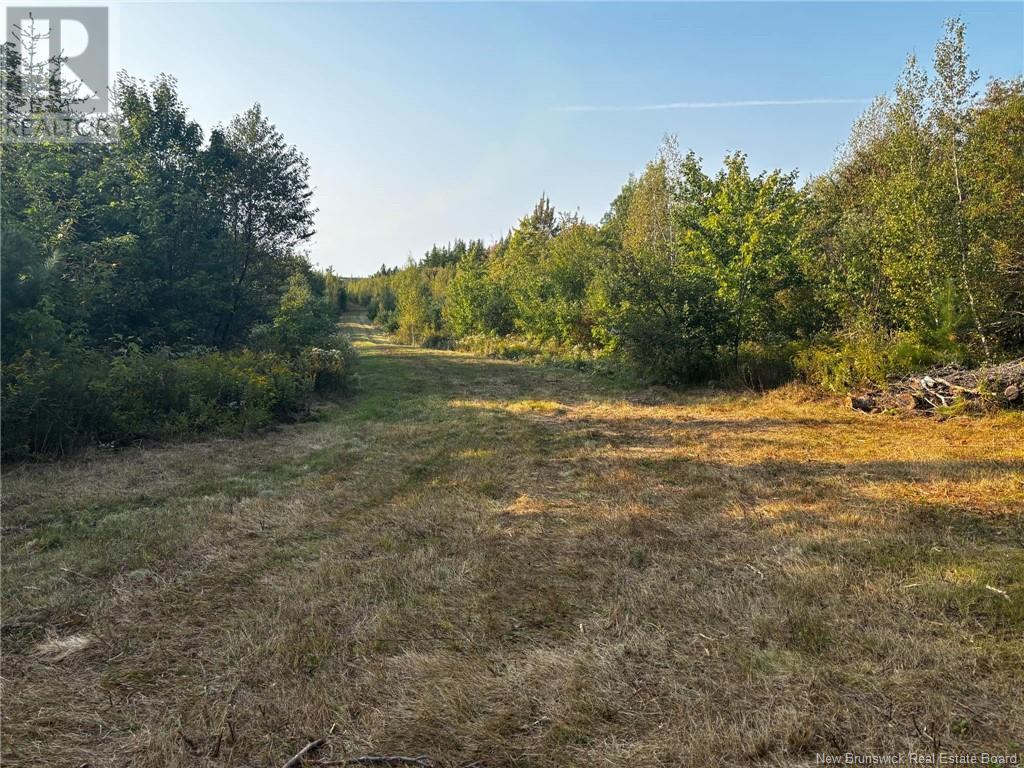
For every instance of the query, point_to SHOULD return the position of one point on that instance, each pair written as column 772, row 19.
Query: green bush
column 387, row 319
column 476, row 304
column 302, row 320
column 372, row 308
column 670, row 331
column 153, row 395
column 47, row 403
column 380, row 299
column 762, row 366
column 330, row 370
column 539, row 352
column 54, row 403
column 504, row 347
column 868, row 357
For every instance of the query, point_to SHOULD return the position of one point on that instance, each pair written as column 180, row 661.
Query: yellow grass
column 495, row 564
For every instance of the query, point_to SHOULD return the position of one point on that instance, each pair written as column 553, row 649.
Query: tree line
column 908, row 252
column 157, row 284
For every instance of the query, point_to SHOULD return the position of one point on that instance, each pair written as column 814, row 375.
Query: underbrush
column 538, row 352
column 762, row 366
column 756, row 366
column 870, row 357
column 60, row 392
column 60, row 399
column 854, row 360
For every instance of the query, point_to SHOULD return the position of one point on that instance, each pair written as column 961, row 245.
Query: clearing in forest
column 495, row 564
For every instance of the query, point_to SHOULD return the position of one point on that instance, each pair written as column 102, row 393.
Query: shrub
column 867, row 357
column 47, row 403
column 54, row 403
column 763, row 366
column 388, row 320
column 303, row 320
column 437, row 341
column 477, row 304
column 546, row 352
column 330, row 370
column 669, row 331
column 153, row 395
column 372, row 308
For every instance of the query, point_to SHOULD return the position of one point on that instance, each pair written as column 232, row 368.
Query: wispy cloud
column 710, row 105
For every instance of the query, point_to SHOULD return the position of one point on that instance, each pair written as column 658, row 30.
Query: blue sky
column 424, row 122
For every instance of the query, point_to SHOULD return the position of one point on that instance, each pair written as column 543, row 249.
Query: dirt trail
column 496, row 564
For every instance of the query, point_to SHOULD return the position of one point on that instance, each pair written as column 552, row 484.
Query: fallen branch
column 1000, row 592
column 301, row 754
column 420, row 760
column 956, row 387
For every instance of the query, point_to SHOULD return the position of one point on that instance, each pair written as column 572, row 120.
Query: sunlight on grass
column 479, row 559
column 539, row 406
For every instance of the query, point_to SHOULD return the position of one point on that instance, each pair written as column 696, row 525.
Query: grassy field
column 494, row 564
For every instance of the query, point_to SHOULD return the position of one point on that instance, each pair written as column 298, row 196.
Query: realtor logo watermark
column 57, row 74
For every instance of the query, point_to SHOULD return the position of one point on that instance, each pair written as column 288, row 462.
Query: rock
column 906, row 401
column 861, row 403
column 1012, row 393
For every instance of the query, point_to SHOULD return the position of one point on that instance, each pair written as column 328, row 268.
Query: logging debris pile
column 993, row 386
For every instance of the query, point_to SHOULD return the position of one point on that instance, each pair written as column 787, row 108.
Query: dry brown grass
column 495, row 564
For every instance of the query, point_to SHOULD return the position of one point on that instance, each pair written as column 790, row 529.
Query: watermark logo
column 918, row 758
column 57, row 74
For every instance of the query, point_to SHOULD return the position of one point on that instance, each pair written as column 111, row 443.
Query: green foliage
column 862, row 354
column 162, row 235
column 152, row 395
column 133, row 270
column 375, row 294
column 865, row 356
column 302, row 319
column 330, row 370
column 545, row 272
column 670, row 328
column 445, row 255
column 919, row 213
column 704, row 265
column 407, row 302
column 47, row 401
column 334, row 291
column 532, row 350
column 56, row 402
column 762, row 366
column 906, row 254
column 418, row 298
column 994, row 153
column 476, row 303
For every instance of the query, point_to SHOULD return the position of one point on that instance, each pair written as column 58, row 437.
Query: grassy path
column 495, row 564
